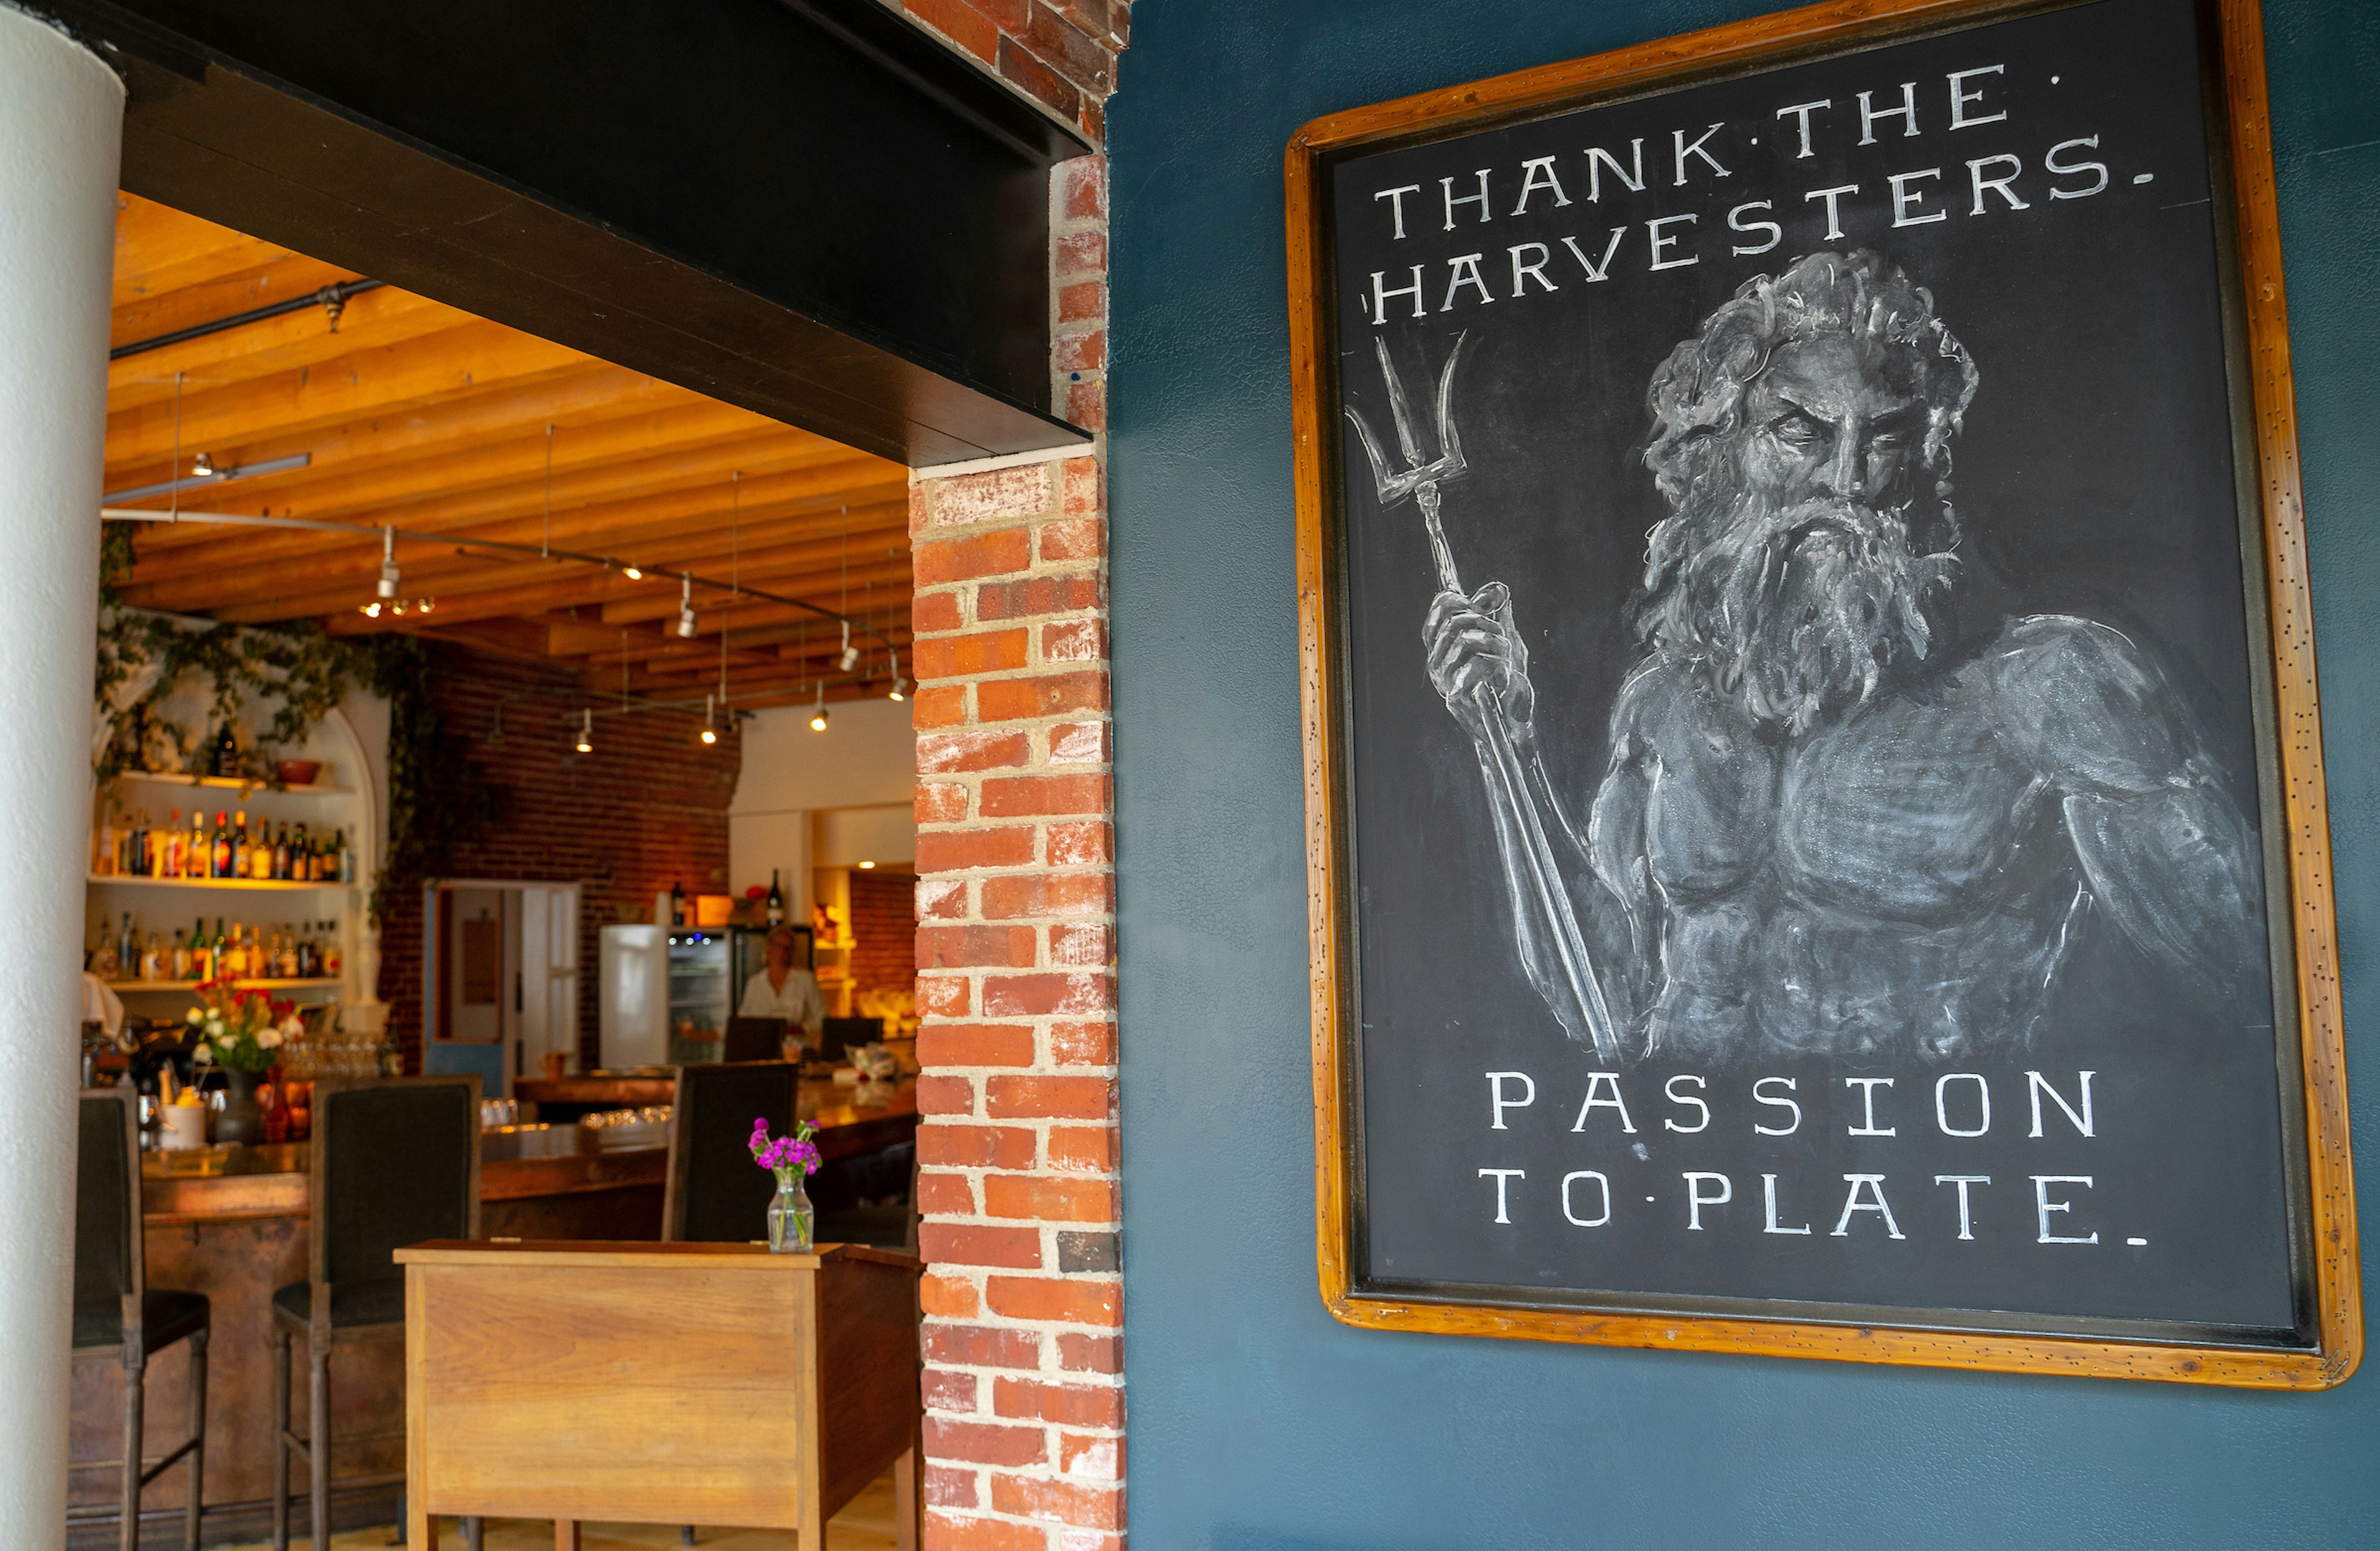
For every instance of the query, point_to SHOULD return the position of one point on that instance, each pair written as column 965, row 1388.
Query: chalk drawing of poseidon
column 1826, row 827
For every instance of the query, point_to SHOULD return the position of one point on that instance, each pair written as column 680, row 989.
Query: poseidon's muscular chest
column 1900, row 878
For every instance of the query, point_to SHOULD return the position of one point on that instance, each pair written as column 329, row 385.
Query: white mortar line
column 1003, row 460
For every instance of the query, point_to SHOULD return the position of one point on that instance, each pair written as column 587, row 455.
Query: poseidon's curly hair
column 1795, row 607
column 1697, row 397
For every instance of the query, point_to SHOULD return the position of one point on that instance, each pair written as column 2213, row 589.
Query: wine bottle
column 776, row 900
column 195, row 849
column 301, row 855
column 346, row 857
column 281, row 853
column 677, row 905
column 242, row 853
column 202, row 960
column 221, row 854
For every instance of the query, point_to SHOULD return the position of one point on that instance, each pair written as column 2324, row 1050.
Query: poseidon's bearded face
column 1802, row 439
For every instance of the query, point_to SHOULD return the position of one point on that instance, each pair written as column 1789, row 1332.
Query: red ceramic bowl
column 298, row 773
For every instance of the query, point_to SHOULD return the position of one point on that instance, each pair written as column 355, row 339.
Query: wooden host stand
column 657, row 1384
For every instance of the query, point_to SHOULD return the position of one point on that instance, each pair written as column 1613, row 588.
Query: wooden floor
column 864, row 1524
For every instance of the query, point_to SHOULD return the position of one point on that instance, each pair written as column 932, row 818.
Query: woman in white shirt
column 783, row 991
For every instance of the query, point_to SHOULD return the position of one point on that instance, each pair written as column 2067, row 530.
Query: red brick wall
column 1062, row 52
column 648, row 808
column 884, row 927
column 1023, row 1295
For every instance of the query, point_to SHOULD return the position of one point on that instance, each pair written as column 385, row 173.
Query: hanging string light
column 900, row 685
column 685, row 606
column 587, row 731
column 710, row 718
column 850, row 653
column 388, row 563
column 818, row 712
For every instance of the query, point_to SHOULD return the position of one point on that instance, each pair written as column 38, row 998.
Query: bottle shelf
column 145, row 882
column 243, row 984
column 241, row 784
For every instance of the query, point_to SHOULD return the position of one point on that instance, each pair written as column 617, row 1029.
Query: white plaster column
column 61, row 125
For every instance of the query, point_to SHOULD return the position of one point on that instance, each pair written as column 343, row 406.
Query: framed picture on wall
column 1816, row 832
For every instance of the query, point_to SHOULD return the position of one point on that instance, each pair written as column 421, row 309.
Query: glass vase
column 790, row 1217
column 241, row 1120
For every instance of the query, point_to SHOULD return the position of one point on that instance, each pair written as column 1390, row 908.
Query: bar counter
column 231, row 1223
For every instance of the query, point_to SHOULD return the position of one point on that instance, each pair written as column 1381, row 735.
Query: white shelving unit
column 343, row 803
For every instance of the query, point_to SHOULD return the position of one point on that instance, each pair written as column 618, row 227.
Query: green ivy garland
column 439, row 801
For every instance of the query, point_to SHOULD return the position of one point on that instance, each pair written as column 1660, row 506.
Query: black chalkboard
column 1824, row 860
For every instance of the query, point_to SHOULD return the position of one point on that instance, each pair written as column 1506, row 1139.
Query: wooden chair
column 714, row 1194
column 117, row 1313
column 396, row 1162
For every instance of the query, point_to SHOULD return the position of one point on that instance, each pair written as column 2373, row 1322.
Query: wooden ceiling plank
column 591, row 393
column 512, row 512
column 150, row 317
column 384, row 381
column 160, row 249
column 271, row 345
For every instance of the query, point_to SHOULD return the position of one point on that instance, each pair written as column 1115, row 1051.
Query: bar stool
column 116, row 1313
column 395, row 1161
column 715, row 1195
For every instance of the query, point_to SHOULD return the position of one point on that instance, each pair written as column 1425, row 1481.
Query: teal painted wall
column 1257, row 1423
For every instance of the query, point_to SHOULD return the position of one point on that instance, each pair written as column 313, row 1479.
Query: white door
column 547, row 989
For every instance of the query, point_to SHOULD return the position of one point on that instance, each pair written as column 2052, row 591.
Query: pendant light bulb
column 900, row 685
column 587, row 732
column 818, row 712
column 685, row 606
column 850, row 652
column 633, row 573
column 370, row 610
column 388, row 562
column 204, row 468
column 710, row 718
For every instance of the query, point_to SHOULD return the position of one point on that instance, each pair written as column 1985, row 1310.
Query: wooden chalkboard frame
column 2324, row 1170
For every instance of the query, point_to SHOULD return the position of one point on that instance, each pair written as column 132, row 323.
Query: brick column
column 1023, row 1298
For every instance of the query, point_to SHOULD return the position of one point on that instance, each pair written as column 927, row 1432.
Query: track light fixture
column 369, row 610
column 900, row 685
column 632, row 573
column 587, row 732
column 388, row 562
column 204, row 468
column 710, row 718
column 850, row 652
column 818, row 712
column 685, row 606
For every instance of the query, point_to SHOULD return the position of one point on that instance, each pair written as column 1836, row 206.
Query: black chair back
column 109, row 1255
column 847, row 1033
column 395, row 1161
column 716, row 1194
column 754, row 1039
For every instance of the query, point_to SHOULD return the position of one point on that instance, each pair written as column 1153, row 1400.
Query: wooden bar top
column 515, row 1162
column 632, row 1254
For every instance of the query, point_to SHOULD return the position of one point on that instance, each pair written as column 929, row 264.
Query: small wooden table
column 657, row 1384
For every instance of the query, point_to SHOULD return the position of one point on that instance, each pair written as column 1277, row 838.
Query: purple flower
column 786, row 1153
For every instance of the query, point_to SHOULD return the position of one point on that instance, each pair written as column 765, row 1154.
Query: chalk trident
column 1584, row 1014
column 1420, row 479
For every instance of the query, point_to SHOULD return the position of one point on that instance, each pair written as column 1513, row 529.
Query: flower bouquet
column 789, row 1158
column 240, row 1030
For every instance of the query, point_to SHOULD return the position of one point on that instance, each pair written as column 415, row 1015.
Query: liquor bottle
column 169, row 846
column 677, row 906
column 153, row 959
column 301, row 855
column 179, row 957
column 196, row 852
column 104, row 963
column 223, row 759
column 222, row 852
column 281, row 853
column 128, row 949
column 333, row 959
column 103, row 845
column 288, row 962
column 346, row 856
column 203, row 964
column 776, row 900
column 225, row 968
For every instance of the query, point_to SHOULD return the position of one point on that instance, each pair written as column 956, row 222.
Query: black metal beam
column 806, row 207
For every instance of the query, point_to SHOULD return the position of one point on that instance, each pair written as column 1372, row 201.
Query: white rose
column 292, row 1026
column 214, row 1028
column 269, row 1039
column 195, row 1015
column 205, row 1055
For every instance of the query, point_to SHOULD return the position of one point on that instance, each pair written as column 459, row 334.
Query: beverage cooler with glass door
column 666, row 996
